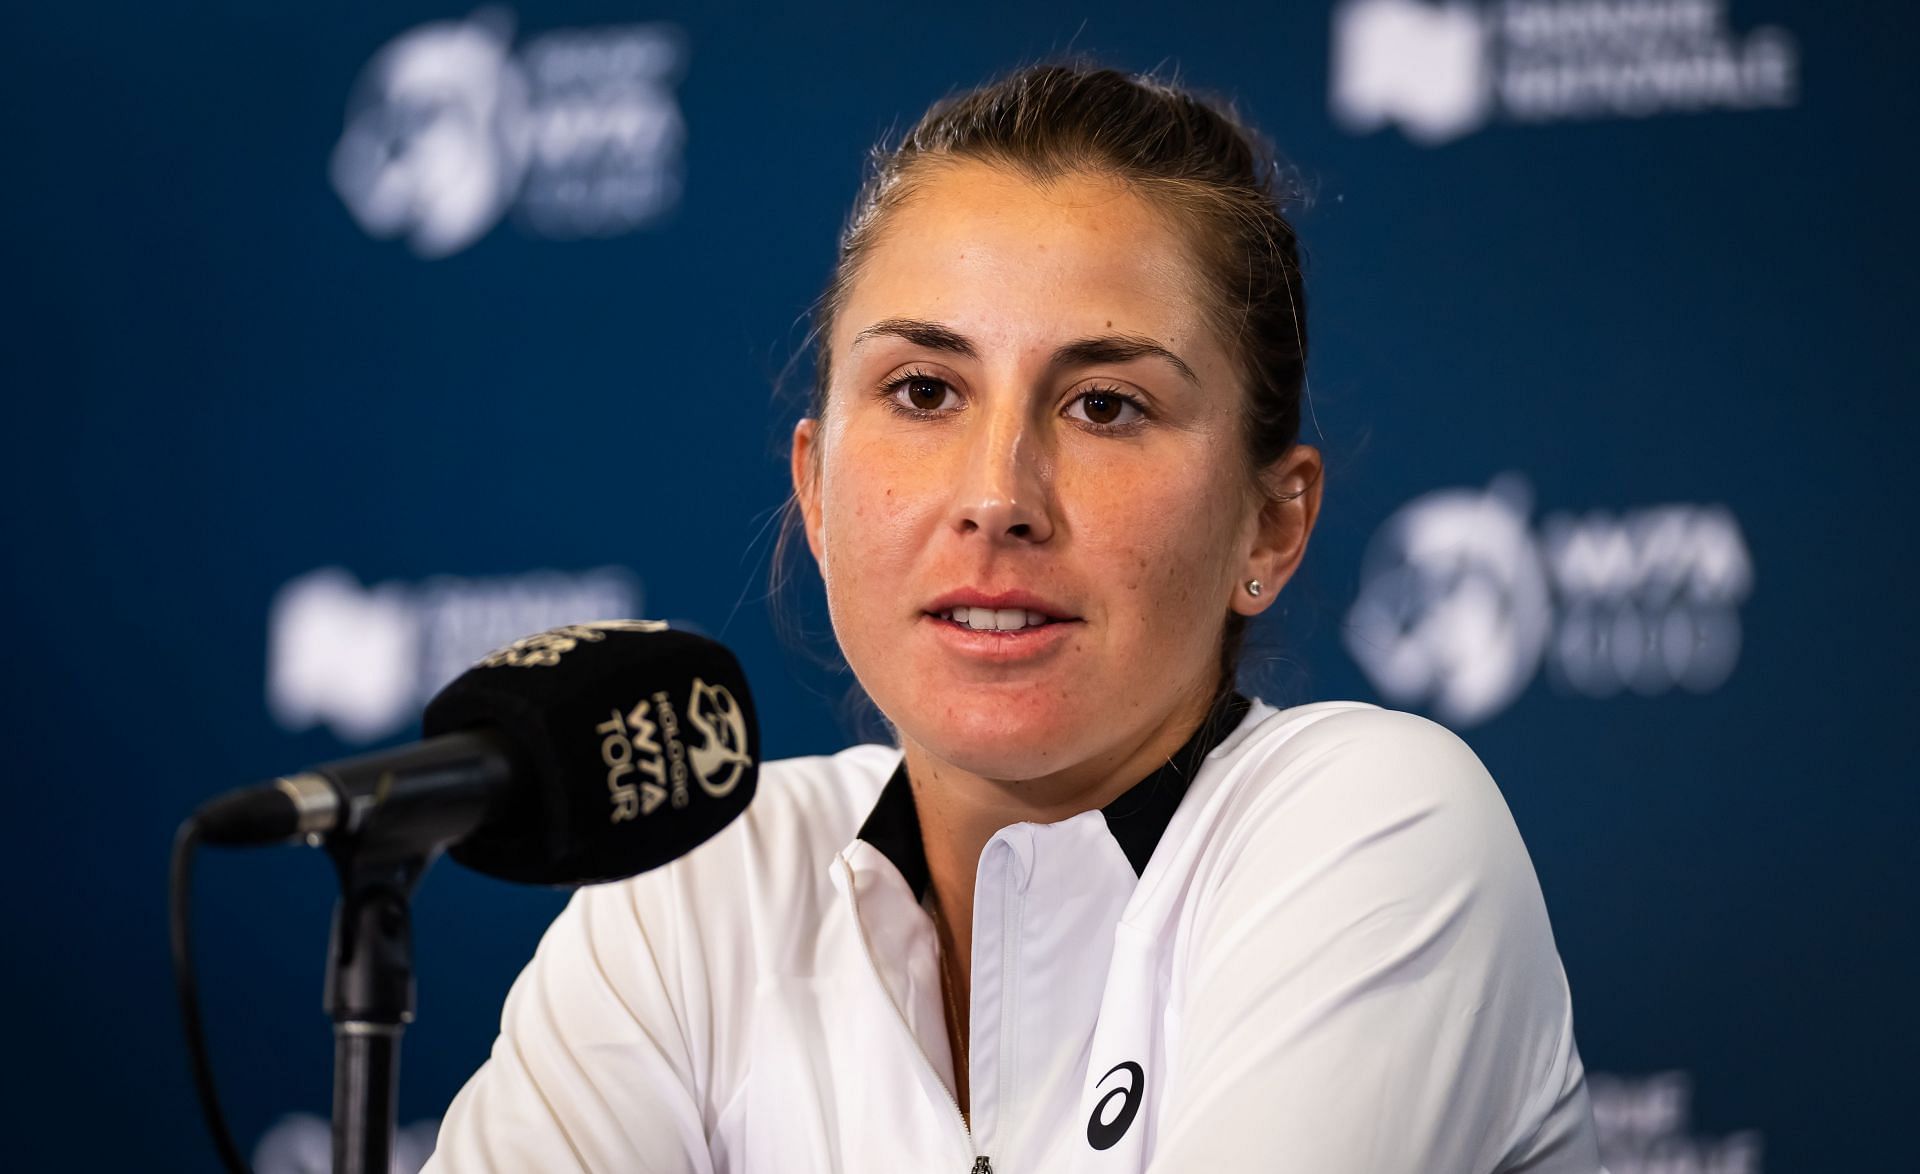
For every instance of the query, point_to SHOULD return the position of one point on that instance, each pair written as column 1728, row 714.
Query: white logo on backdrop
column 448, row 128
column 1441, row 70
column 364, row 660
column 302, row 1143
column 1462, row 599
column 1644, row 1125
column 1421, row 65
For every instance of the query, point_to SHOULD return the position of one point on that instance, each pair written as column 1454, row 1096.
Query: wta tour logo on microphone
column 648, row 763
column 544, row 649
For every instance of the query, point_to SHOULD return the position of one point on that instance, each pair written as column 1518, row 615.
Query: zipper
column 981, row 1165
column 1011, row 910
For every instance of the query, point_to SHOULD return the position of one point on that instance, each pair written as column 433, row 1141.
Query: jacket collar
column 1137, row 818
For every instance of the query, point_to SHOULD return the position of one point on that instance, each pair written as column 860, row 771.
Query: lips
column 995, row 617
column 992, row 619
column 998, row 611
column 1001, row 630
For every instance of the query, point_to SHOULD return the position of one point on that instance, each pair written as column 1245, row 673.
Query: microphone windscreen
column 637, row 743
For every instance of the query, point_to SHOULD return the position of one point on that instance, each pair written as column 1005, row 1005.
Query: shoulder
column 650, row 983
column 774, row 859
column 812, row 805
column 1345, row 766
column 1359, row 904
column 1377, row 807
column 1359, row 744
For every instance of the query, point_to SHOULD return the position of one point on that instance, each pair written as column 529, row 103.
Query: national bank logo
column 1465, row 599
column 1423, row 66
column 302, row 1143
column 1644, row 1125
column 364, row 660
column 449, row 128
column 1440, row 70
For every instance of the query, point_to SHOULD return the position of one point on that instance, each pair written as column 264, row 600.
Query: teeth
column 987, row 619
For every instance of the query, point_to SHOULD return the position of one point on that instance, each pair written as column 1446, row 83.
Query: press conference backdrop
column 346, row 343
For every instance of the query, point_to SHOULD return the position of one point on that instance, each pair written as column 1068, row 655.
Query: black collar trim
column 1137, row 818
column 893, row 826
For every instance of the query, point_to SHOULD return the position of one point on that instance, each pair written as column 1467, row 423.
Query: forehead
column 1018, row 264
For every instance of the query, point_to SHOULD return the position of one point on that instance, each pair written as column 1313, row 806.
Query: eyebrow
column 931, row 335
column 1081, row 352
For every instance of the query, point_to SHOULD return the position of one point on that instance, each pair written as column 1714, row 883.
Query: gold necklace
column 958, row 1047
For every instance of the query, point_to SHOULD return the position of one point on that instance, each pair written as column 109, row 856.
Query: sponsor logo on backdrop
column 1464, row 599
column 1444, row 69
column 449, row 128
column 1644, row 1127
column 302, row 1143
column 364, row 660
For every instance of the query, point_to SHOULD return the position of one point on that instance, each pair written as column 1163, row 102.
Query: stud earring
column 1253, row 588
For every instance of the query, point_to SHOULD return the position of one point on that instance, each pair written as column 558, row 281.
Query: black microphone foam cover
column 638, row 742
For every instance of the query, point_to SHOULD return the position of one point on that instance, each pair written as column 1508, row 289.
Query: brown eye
column 1107, row 409
column 922, row 395
column 1101, row 408
column 925, row 394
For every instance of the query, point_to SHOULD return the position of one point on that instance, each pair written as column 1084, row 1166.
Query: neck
column 960, row 810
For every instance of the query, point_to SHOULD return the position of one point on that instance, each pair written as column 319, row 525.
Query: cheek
column 1166, row 542
column 873, row 513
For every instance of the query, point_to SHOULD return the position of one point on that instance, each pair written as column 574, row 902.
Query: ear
column 1289, row 507
column 806, row 479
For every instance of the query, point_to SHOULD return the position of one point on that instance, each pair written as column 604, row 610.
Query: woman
column 1097, row 911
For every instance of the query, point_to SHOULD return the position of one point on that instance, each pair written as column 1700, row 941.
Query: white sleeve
column 592, row 1070
column 1371, row 984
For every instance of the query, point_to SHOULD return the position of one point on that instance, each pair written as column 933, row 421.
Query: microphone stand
column 370, row 996
column 387, row 839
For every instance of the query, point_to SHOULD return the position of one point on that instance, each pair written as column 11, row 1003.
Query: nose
column 1004, row 490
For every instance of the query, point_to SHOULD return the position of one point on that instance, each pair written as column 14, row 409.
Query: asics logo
column 1103, row 1131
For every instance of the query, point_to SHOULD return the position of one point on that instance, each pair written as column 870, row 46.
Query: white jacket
column 1326, row 954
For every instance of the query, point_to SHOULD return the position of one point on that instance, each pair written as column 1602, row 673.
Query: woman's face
column 1027, row 495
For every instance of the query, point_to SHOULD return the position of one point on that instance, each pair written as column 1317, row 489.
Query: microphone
column 583, row 754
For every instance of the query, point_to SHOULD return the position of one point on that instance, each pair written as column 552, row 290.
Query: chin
column 1008, row 764
column 1007, row 738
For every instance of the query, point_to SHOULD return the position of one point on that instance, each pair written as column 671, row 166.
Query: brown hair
column 1215, row 177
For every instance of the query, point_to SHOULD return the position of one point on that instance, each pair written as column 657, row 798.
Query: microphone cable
column 180, row 926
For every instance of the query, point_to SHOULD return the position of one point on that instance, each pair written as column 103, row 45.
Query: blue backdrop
column 345, row 343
